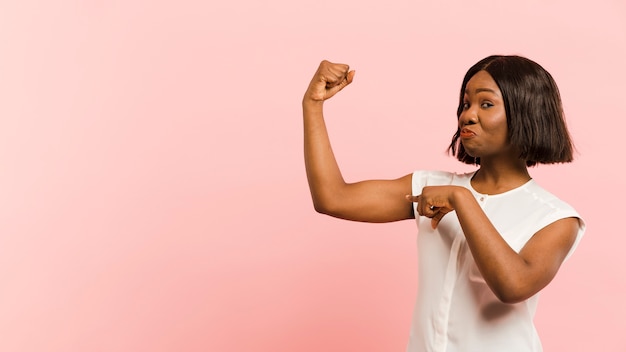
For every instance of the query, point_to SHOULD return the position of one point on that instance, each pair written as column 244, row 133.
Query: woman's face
column 482, row 123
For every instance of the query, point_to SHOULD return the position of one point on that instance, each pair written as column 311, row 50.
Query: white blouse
column 455, row 309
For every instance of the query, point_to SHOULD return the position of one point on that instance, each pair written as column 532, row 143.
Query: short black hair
column 534, row 111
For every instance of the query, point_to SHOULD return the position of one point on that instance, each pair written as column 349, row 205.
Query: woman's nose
column 468, row 117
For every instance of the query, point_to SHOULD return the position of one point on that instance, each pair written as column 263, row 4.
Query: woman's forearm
column 323, row 173
column 504, row 270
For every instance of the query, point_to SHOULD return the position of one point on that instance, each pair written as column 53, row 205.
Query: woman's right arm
column 367, row 201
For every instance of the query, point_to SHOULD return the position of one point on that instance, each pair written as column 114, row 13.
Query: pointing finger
column 411, row 198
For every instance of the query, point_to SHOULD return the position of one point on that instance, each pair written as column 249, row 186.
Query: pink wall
column 152, row 188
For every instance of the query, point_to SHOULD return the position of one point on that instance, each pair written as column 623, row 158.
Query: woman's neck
column 495, row 178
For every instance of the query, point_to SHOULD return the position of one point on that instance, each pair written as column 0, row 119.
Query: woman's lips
column 467, row 133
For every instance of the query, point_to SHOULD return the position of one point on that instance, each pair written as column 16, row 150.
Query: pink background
column 152, row 186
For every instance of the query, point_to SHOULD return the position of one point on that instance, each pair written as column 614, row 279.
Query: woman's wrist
column 311, row 105
column 460, row 195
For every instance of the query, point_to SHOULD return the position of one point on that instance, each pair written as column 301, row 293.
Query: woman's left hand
column 435, row 202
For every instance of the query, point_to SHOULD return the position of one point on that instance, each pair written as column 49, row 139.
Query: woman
column 488, row 240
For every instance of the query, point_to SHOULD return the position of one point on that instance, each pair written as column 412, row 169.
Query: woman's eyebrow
column 478, row 90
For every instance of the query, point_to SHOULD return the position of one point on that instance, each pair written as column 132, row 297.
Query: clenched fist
column 329, row 79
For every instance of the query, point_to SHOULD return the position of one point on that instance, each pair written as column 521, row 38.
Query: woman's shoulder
column 547, row 202
column 541, row 194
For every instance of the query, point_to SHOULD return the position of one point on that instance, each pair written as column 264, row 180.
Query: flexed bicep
column 368, row 201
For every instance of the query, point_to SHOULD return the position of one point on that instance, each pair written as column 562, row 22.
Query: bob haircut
column 534, row 112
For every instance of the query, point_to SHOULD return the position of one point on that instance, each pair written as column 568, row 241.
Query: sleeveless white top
column 455, row 309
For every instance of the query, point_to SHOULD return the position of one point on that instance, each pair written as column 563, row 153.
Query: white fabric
column 455, row 309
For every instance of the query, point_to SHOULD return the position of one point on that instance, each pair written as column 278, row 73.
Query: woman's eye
column 465, row 106
column 486, row 105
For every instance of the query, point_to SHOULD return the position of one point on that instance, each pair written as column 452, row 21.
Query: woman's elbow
column 320, row 208
column 324, row 206
column 512, row 294
column 510, row 298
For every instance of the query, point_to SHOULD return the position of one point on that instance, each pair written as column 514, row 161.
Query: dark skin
column 512, row 276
